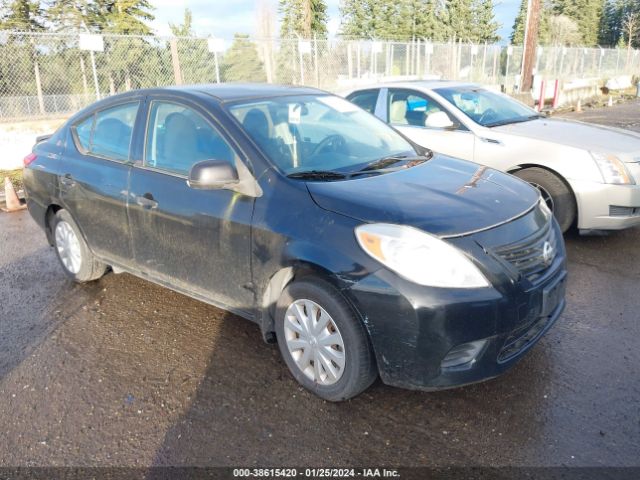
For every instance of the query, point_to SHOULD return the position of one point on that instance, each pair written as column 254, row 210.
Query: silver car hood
column 598, row 138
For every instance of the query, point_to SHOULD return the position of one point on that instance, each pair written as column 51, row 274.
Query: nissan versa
column 357, row 251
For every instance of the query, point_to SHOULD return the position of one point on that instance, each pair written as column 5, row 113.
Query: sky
column 223, row 18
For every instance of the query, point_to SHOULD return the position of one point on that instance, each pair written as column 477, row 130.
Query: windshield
column 319, row 133
column 487, row 108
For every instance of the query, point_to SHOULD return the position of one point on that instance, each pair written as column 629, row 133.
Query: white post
column 95, row 74
column 215, row 60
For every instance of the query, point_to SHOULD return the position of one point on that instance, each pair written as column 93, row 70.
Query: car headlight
column 612, row 168
column 419, row 257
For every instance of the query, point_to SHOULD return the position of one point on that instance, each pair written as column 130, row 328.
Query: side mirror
column 439, row 120
column 212, row 175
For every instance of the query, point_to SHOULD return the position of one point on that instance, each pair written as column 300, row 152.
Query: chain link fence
column 50, row 74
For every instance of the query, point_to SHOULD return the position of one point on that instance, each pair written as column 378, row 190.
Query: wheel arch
column 51, row 211
column 524, row 166
column 278, row 282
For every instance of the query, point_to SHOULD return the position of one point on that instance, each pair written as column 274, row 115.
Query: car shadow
column 36, row 299
column 248, row 410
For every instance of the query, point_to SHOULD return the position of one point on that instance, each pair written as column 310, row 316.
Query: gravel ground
column 121, row 372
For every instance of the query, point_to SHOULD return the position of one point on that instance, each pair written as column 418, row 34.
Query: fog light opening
column 463, row 355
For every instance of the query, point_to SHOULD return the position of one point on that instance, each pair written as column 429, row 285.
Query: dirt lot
column 122, row 372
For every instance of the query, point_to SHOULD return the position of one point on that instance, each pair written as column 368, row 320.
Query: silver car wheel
column 546, row 196
column 314, row 342
column 68, row 247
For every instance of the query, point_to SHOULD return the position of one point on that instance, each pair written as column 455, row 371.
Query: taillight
column 29, row 158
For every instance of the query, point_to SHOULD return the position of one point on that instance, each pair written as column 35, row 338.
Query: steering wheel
column 486, row 115
column 333, row 142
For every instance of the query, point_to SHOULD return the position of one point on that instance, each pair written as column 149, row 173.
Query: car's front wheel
column 73, row 252
column 557, row 195
column 322, row 341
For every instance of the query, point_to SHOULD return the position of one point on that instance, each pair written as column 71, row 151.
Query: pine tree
column 613, row 17
column 517, row 34
column 460, row 24
column 241, row 62
column 484, row 24
column 586, row 13
column 127, row 16
column 23, row 15
column 113, row 16
column 305, row 18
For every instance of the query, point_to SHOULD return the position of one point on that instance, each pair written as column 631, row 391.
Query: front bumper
column 595, row 202
column 414, row 328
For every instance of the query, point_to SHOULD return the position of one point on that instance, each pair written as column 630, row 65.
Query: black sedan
column 359, row 252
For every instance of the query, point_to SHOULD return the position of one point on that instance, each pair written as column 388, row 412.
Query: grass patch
column 14, row 175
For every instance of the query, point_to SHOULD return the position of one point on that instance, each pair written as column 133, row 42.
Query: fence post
column 349, row 61
column 358, row 55
column 38, row 85
column 315, row 59
column 417, row 58
column 85, row 86
column 177, row 73
column 95, row 74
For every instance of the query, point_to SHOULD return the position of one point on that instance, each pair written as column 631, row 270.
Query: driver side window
column 179, row 137
column 408, row 107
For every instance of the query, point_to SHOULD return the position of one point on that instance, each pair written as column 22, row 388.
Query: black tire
column 90, row 268
column 564, row 203
column 360, row 368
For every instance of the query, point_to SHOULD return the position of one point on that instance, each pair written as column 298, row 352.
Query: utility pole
column 530, row 44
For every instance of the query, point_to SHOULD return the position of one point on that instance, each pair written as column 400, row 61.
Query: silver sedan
column 587, row 174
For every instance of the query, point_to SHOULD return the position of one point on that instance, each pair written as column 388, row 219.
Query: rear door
column 426, row 122
column 94, row 176
column 195, row 240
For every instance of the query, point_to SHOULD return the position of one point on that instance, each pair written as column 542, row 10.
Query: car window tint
column 408, row 107
column 112, row 131
column 365, row 100
column 178, row 137
column 83, row 132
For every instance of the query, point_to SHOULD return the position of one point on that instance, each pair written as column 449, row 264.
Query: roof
column 423, row 84
column 228, row 92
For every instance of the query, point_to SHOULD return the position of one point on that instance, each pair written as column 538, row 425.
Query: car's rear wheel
column 73, row 252
column 322, row 341
column 556, row 194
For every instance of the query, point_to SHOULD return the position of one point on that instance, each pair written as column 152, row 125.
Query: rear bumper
column 413, row 329
column 595, row 202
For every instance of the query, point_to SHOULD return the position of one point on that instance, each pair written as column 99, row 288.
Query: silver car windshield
column 325, row 133
column 487, row 108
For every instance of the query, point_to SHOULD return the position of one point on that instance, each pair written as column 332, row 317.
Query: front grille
column 532, row 256
column 617, row 211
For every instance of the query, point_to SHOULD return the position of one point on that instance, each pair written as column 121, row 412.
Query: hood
column 596, row 138
column 444, row 196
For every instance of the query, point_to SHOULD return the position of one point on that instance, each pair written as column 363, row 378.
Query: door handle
column 67, row 180
column 146, row 201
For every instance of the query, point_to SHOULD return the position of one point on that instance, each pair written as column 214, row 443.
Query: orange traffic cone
column 11, row 198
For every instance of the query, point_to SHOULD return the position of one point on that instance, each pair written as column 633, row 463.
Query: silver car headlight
column 613, row 169
column 419, row 257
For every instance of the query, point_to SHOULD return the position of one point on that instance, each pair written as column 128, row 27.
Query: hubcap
column 68, row 247
column 314, row 342
column 546, row 196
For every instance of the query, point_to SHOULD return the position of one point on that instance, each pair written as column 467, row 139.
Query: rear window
column 365, row 100
column 107, row 133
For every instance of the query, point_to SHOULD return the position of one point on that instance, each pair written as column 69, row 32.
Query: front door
column 428, row 124
column 195, row 240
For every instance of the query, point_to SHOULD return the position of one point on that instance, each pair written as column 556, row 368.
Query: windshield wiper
column 408, row 162
column 382, row 162
column 514, row 120
column 317, row 175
